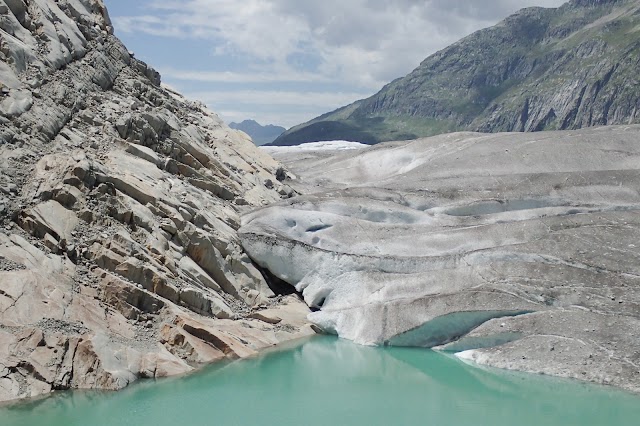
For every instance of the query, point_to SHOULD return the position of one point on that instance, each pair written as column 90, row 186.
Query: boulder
column 144, row 153
column 49, row 217
column 129, row 299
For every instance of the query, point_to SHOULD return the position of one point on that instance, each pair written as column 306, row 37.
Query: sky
column 285, row 62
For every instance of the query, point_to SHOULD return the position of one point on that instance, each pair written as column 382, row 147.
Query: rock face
column 119, row 210
column 260, row 135
column 516, row 250
column 541, row 69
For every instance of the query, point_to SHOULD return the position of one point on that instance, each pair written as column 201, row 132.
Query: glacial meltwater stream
column 326, row 381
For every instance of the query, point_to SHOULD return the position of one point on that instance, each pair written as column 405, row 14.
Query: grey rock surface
column 119, row 207
column 513, row 250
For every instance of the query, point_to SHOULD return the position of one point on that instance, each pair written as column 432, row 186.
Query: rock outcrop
column 119, row 210
column 515, row 250
column 570, row 67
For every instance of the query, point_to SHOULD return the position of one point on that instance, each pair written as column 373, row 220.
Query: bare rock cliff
column 119, row 210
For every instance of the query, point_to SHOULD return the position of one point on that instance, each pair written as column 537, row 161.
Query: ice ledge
column 447, row 328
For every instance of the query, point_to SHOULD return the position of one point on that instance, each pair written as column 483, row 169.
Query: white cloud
column 353, row 46
column 241, row 77
column 149, row 24
column 323, row 100
column 364, row 42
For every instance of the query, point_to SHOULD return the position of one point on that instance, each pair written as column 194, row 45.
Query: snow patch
column 473, row 357
column 470, row 356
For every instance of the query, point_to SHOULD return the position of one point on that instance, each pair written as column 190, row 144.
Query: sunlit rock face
column 119, row 209
column 519, row 250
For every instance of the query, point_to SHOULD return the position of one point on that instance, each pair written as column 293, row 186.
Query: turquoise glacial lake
column 326, row 381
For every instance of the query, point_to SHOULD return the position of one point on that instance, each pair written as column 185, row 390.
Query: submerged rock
column 119, row 209
column 518, row 250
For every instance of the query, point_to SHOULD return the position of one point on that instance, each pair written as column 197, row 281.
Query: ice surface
column 427, row 242
column 316, row 146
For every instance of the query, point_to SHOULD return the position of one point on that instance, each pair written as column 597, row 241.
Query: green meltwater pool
column 326, row 381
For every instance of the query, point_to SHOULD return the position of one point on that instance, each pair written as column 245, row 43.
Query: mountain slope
column 260, row 135
column 119, row 210
column 540, row 69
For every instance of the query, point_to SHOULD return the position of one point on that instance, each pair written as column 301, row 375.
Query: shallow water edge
column 327, row 380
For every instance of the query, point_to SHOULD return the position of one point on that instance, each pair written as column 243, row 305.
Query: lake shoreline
column 354, row 384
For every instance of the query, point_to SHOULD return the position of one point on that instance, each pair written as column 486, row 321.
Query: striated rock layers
column 515, row 250
column 119, row 210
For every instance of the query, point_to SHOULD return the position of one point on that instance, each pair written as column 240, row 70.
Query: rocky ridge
column 570, row 67
column 260, row 135
column 514, row 250
column 119, row 210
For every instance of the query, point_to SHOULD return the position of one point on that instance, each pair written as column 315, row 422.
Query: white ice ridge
column 317, row 146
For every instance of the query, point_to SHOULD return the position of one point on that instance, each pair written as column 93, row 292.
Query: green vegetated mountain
column 540, row 69
column 260, row 134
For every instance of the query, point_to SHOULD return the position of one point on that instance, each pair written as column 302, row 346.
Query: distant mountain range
column 540, row 69
column 261, row 135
